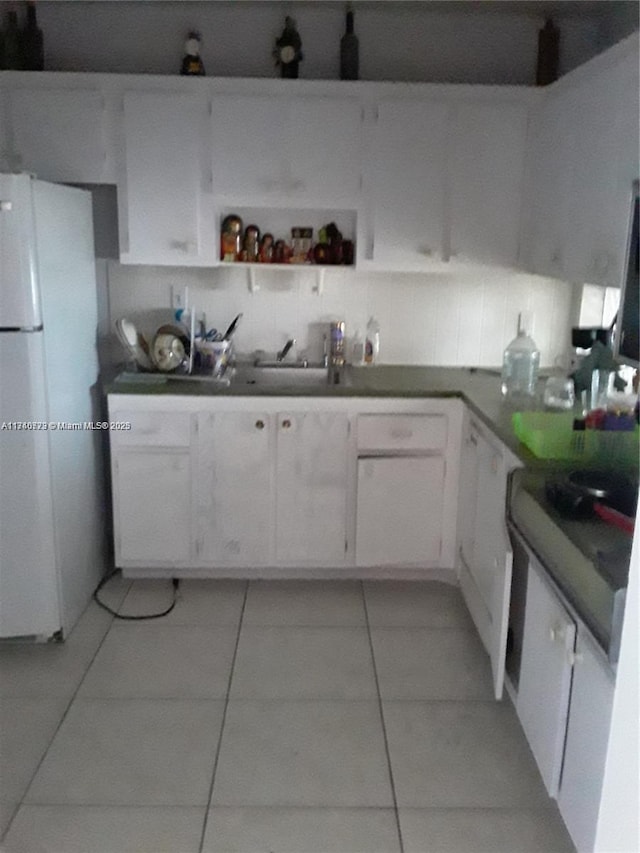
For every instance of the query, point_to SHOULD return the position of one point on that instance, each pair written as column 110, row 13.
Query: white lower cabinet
column 271, row 488
column 205, row 485
column 234, row 488
column 399, row 511
column 564, row 702
column 586, row 744
column 311, row 487
column 152, row 497
column 484, row 551
column 545, row 676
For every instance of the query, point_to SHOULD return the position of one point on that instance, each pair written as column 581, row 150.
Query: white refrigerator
column 51, row 520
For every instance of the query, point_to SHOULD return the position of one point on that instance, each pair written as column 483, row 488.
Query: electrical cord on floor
column 174, row 581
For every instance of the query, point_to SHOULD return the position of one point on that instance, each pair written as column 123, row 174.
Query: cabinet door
column 399, row 511
column 166, row 209
column 59, row 134
column 605, row 154
column 486, row 556
column 152, row 501
column 407, row 172
column 286, row 151
column 548, row 187
column 311, row 483
column 487, row 150
column 235, row 515
column 586, row 745
column 545, row 677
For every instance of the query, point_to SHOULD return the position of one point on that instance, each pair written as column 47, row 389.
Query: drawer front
column 152, row 429
column 401, row 432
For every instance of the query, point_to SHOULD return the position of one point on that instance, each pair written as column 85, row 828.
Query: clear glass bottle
column 520, row 365
column 372, row 342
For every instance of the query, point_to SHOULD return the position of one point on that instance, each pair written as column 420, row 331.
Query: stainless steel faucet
column 285, row 349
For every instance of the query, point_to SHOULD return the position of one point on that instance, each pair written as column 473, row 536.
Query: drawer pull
column 259, row 424
column 286, row 423
column 557, row 633
column 399, row 433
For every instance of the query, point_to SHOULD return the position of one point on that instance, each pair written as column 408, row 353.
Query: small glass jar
column 338, row 342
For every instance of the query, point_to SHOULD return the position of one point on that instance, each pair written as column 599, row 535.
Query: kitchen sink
column 287, row 376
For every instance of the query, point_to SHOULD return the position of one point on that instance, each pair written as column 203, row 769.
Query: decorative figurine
column 192, row 64
column 288, row 50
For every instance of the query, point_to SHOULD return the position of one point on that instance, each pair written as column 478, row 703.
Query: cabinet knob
column 574, row 658
column 6, row 206
column 286, row 423
column 556, row 633
column 259, row 424
column 185, row 246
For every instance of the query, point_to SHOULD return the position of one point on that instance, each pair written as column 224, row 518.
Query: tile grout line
column 224, row 717
column 66, row 710
column 384, row 728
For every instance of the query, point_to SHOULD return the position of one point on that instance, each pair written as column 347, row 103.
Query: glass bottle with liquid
column 372, row 342
column 520, row 364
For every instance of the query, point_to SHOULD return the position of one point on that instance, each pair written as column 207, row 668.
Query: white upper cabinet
column 583, row 158
column 548, row 189
column 406, row 180
column 59, row 134
column 165, row 205
column 487, row 143
column 605, row 159
column 280, row 151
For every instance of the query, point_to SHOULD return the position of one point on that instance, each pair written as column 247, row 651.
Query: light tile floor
column 297, row 717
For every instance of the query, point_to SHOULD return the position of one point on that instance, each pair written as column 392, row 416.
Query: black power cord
column 174, row 581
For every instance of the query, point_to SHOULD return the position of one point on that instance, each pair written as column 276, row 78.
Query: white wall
column 438, row 319
column 438, row 42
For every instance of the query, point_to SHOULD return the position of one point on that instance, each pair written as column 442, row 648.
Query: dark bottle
column 349, row 59
column 192, row 64
column 288, row 50
column 12, row 43
column 32, row 42
column 548, row 54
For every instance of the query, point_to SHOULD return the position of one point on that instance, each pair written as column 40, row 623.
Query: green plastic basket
column 550, row 435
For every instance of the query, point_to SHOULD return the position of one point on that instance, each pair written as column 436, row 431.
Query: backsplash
column 438, row 319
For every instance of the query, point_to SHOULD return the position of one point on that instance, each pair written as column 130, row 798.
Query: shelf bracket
column 254, row 287
column 319, row 285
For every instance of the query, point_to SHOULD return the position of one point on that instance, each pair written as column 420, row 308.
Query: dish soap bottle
column 372, row 342
column 520, row 365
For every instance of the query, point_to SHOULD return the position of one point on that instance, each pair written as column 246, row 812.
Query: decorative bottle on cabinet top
column 349, row 51
column 192, row 64
column 32, row 42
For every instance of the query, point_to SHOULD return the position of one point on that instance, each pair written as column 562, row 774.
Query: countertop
column 478, row 387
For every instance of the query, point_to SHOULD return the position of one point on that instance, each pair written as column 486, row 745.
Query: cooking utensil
column 613, row 489
column 234, row 325
column 134, row 343
column 168, row 352
column 612, row 516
